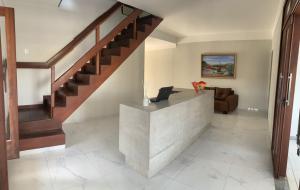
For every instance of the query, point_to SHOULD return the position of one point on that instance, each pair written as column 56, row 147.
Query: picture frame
column 219, row 65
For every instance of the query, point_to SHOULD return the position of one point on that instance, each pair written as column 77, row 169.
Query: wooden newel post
column 99, row 53
column 52, row 89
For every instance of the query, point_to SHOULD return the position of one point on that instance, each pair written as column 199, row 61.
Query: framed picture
column 218, row 66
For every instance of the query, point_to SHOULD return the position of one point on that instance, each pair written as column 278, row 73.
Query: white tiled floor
column 232, row 154
column 293, row 170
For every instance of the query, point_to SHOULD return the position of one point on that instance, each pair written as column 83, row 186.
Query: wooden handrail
column 70, row 46
column 32, row 65
column 94, row 50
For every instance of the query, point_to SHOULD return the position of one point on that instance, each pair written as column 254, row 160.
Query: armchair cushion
column 222, row 93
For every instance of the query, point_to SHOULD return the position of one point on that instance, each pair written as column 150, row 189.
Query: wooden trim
column 13, row 147
column 32, row 65
column 97, row 38
column 93, row 52
column 24, row 107
column 3, row 155
column 70, row 46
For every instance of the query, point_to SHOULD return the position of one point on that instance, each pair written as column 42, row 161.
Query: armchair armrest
column 232, row 101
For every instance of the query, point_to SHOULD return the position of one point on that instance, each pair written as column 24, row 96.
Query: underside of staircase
column 41, row 125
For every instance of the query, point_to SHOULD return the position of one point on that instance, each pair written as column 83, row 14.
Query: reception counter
column 152, row 136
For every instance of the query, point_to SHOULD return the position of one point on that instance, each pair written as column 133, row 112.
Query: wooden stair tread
column 33, row 113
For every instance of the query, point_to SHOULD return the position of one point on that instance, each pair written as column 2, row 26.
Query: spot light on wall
column 66, row 4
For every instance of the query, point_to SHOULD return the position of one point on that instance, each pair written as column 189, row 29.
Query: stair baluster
column 98, row 53
column 52, row 89
column 134, row 30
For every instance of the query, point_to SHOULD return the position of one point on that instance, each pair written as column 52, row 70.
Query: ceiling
column 67, row 5
column 192, row 20
column 185, row 18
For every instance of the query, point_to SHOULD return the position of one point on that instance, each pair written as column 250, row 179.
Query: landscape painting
column 218, row 66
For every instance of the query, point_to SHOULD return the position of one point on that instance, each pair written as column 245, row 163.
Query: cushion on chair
column 222, row 93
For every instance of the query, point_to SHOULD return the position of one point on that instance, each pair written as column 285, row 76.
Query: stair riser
column 38, row 126
column 72, row 87
column 90, row 69
column 147, row 21
column 82, row 78
column 114, row 51
column 124, row 36
column 42, row 142
column 139, row 27
column 122, row 43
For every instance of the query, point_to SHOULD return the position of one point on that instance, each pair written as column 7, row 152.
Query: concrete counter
column 152, row 136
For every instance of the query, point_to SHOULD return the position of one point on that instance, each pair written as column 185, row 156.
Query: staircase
column 41, row 125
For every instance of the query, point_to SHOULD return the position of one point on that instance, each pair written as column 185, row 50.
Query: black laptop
column 163, row 94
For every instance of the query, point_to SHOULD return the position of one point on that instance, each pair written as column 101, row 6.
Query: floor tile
column 231, row 154
column 204, row 174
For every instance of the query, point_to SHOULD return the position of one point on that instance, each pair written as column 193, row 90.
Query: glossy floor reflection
column 232, row 154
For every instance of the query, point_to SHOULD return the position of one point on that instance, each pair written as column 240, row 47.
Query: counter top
column 176, row 98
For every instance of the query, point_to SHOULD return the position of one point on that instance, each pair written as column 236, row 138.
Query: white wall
column 253, row 60
column 182, row 65
column 274, row 70
column 159, row 66
column 43, row 29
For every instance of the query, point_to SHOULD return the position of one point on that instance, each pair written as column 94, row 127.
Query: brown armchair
column 225, row 99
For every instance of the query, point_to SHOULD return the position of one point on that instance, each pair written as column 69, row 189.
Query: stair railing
column 71, row 45
column 93, row 52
